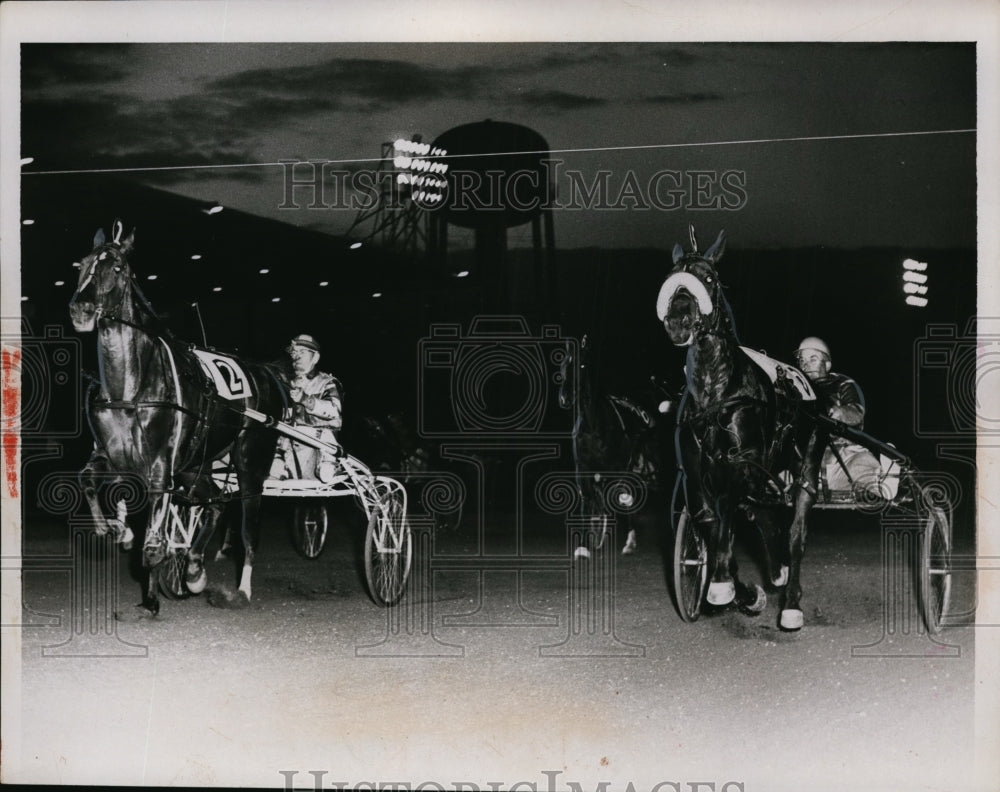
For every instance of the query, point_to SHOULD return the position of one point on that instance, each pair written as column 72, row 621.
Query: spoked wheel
column 690, row 568
column 388, row 549
column 171, row 573
column 935, row 567
column 171, row 570
column 309, row 528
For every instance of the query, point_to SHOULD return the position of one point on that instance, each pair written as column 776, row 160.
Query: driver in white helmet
column 844, row 402
column 318, row 400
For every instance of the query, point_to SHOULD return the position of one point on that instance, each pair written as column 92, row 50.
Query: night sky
column 625, row 110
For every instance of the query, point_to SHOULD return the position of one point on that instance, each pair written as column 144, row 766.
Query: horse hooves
column 197, row 585
column 223, row 597
column 782, row 577
column 581, row 552
column 721, row 593
column 756, row 607
column 792, row 619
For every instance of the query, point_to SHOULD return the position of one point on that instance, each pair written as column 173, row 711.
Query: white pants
column 866, row 471
column 298, row 460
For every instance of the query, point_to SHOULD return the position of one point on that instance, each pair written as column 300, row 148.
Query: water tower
column 497, row 179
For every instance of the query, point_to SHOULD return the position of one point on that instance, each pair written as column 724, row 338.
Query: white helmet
column 814, row 343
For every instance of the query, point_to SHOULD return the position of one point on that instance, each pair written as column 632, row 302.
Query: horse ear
column 126, row 245
column 715, row 252
column 678, row 253
column 99, row 238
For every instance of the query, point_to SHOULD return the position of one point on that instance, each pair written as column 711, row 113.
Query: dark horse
column 615, row 453
column 736, row 429
column 154, row 414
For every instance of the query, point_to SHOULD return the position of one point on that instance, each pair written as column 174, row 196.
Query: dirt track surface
column 544, row 670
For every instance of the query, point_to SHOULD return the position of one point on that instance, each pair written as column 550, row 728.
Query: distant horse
column 614, row 447
column 165, row 411
column 735, row 431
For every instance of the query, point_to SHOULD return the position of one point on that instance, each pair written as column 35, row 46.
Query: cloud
column 338, row 82
column 557, row 100
column 684, row 97
column 47, row 65
column 101, row 132
column 676, row 56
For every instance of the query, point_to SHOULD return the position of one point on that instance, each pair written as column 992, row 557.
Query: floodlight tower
column 406, row 184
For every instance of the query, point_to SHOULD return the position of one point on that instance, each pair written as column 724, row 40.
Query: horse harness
column 191, row 373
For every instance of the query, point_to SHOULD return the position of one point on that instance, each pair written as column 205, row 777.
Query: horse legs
column 726, row 586
column 154, row 551
column 776, row 546
column 250, row 534
column 630, row 541
column 721, row 589
column 88, row 483
column 804, row 497
column 791, row 612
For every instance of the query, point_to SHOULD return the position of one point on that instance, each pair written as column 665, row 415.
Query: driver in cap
column 318, row 402
column 841, row 397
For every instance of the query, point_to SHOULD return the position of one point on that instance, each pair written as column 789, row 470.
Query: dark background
column 850, row 297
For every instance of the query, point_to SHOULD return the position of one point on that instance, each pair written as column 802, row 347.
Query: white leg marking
column 245, row 580
column 721, row 593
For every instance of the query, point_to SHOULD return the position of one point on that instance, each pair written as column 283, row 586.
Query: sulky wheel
column 309, row 527
column 935, row 567
column 171, row 572
column 690, row 568
column 388, row 549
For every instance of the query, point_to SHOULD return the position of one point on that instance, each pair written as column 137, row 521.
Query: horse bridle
column 700, row 329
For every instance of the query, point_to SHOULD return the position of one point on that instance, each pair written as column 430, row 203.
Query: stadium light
column 914, row 277
column 920, row 302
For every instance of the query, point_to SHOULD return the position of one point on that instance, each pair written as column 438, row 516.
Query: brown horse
column 735, row 431
column 164, row 411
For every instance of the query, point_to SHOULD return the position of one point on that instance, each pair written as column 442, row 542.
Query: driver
column 843, row 401
column 317, row 396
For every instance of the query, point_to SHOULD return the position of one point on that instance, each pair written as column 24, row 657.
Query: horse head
column 691, row 302
column 105, row 280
